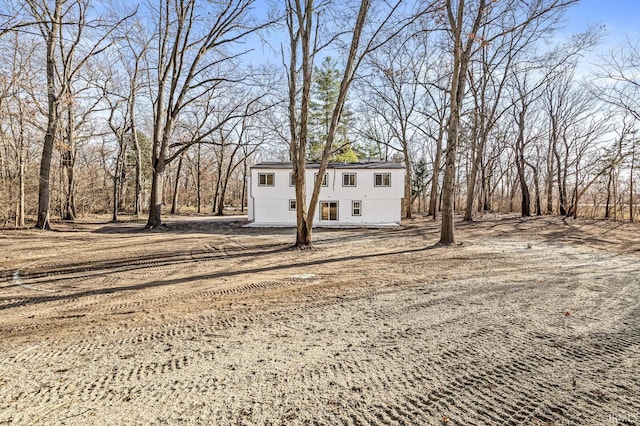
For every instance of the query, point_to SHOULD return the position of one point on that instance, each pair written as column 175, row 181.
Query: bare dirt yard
column 526, row 322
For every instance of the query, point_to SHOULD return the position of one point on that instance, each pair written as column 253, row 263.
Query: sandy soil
column 527, row 322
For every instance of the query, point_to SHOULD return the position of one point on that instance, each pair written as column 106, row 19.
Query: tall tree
column 393, row 92
column 463, row 19
column 303, row 23
column 49, row 21
column 194, row 59
column 462, row 51
column 324, row 94
column 63, row 26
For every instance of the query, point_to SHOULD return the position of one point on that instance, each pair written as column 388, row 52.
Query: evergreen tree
column 326, row 86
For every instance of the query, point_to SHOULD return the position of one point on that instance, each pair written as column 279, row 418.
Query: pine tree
column 326, row 86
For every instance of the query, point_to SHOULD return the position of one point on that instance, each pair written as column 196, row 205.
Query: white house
column 352, row 194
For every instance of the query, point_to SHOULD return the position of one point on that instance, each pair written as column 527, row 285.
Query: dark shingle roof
column 359, row 165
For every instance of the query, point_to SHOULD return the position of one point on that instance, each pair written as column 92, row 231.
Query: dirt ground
column 205, row 322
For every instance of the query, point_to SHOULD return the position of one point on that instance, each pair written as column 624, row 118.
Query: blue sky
column 620, row 18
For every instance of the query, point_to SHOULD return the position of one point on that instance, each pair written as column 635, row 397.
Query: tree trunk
column 199, row 180
column 615, row 198
column 471, row 180
column 536, row 188
column 71, row 191
column 20, row 209
column 116, row 178
column 216, row 193
column 137, row 208
column 477, row 152
column 407, row 184
column 433, row 196
column 633, row 159
column 176, row 186
column 303, row 230
column 223, row 188
column 552, row 149
column 461, row 58
column 68, row 163
column 524, row 189
column 52, row 123
column 155, row 205
column 525, row 208
column 244, row 185
column 447, row 232
column 562, row 187
column 223, row 191
column 607, row 206
column 303, row 235
column 122, row 190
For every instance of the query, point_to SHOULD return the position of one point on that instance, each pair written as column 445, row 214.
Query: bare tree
column 193, row 59
column 121, row 87
column 620, row 72
column 49, row 22
column 62, row 68
column 488, row 78
column 305, row 41
column 621, row 89
column 463, row 21
column 434, row 108
column 393, row 93
column 462, row 52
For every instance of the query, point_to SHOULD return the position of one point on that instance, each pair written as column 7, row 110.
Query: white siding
column 380, row 205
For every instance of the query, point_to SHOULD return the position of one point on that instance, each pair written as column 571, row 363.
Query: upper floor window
column 325, row 179
column 292, row 179
column 348, row 179
column 266, row 179
column 382, row 179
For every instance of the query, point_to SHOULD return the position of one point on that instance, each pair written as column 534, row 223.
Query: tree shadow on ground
column 115, row 266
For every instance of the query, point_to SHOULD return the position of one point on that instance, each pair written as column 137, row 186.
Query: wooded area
column 137, row 109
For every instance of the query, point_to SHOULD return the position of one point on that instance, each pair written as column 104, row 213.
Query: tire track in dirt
column 503, row 376
column 478, row 345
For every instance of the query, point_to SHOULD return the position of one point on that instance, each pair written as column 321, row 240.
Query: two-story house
column 352, row 194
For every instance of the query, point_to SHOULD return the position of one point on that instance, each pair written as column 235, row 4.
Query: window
column 292, row 180
column 328, row 210
column 356, row 208
column 325, row 179
column 382, row 179
column 292, row 204
column 348, row 179
column 266, row 179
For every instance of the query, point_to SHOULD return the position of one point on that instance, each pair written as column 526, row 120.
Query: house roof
column 310, row 165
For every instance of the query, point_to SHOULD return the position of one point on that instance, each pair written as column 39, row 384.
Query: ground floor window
column 356, row 208
column 328, row 210
column 292, row 204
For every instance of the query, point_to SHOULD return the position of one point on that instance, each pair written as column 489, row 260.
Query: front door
column 329, row 210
